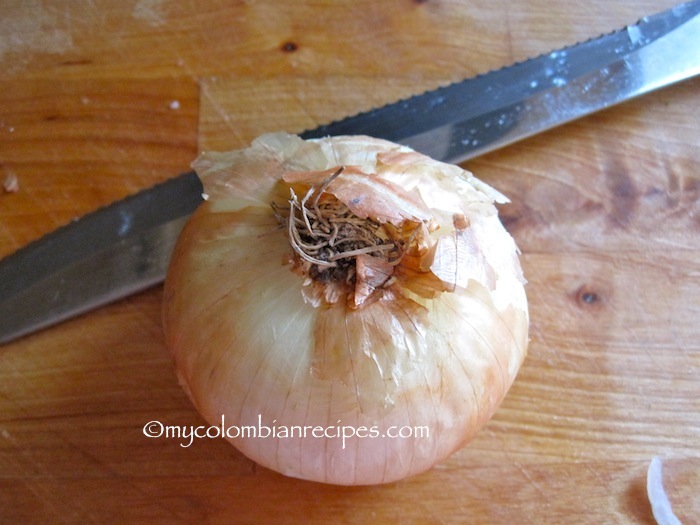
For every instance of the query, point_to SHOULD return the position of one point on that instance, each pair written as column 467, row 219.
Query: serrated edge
column 407, row 100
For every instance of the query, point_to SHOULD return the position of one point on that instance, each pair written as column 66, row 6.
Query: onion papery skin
column 249, row 346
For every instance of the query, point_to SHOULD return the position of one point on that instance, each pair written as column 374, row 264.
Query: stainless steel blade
column 104, row 256
column 480, row 114
column 126, row 247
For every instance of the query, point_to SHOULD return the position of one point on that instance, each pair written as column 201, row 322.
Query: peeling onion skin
column 432, row 352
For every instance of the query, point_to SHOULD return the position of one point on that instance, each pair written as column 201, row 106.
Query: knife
column 125, row 247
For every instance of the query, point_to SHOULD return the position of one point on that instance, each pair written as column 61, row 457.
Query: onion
column 352, row 308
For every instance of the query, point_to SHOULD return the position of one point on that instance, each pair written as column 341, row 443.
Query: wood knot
column 587, row 297
column 289, row 47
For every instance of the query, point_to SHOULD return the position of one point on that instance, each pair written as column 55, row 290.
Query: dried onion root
column 347, row 284
column 329, row 241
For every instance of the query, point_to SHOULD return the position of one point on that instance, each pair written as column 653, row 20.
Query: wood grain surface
column 101, row 98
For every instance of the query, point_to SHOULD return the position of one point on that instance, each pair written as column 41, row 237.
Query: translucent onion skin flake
column 660, row 504
column 360, row 300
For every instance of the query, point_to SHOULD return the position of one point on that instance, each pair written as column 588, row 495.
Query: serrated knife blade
column 126, row 247
column 490, row 111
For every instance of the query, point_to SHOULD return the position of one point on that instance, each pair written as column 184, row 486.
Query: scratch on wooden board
column 21, row 34
column 530, row 480
column 219, row 109
column 602, row 481
column 150, row 11
column 30, row 471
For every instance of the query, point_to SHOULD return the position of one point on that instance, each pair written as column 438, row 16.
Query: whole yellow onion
column 353, row 310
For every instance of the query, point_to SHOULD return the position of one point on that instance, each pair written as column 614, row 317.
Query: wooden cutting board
column 100, row 99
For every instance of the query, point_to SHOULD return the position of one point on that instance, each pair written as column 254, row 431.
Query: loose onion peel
column 660, row 504
column 345, row 282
